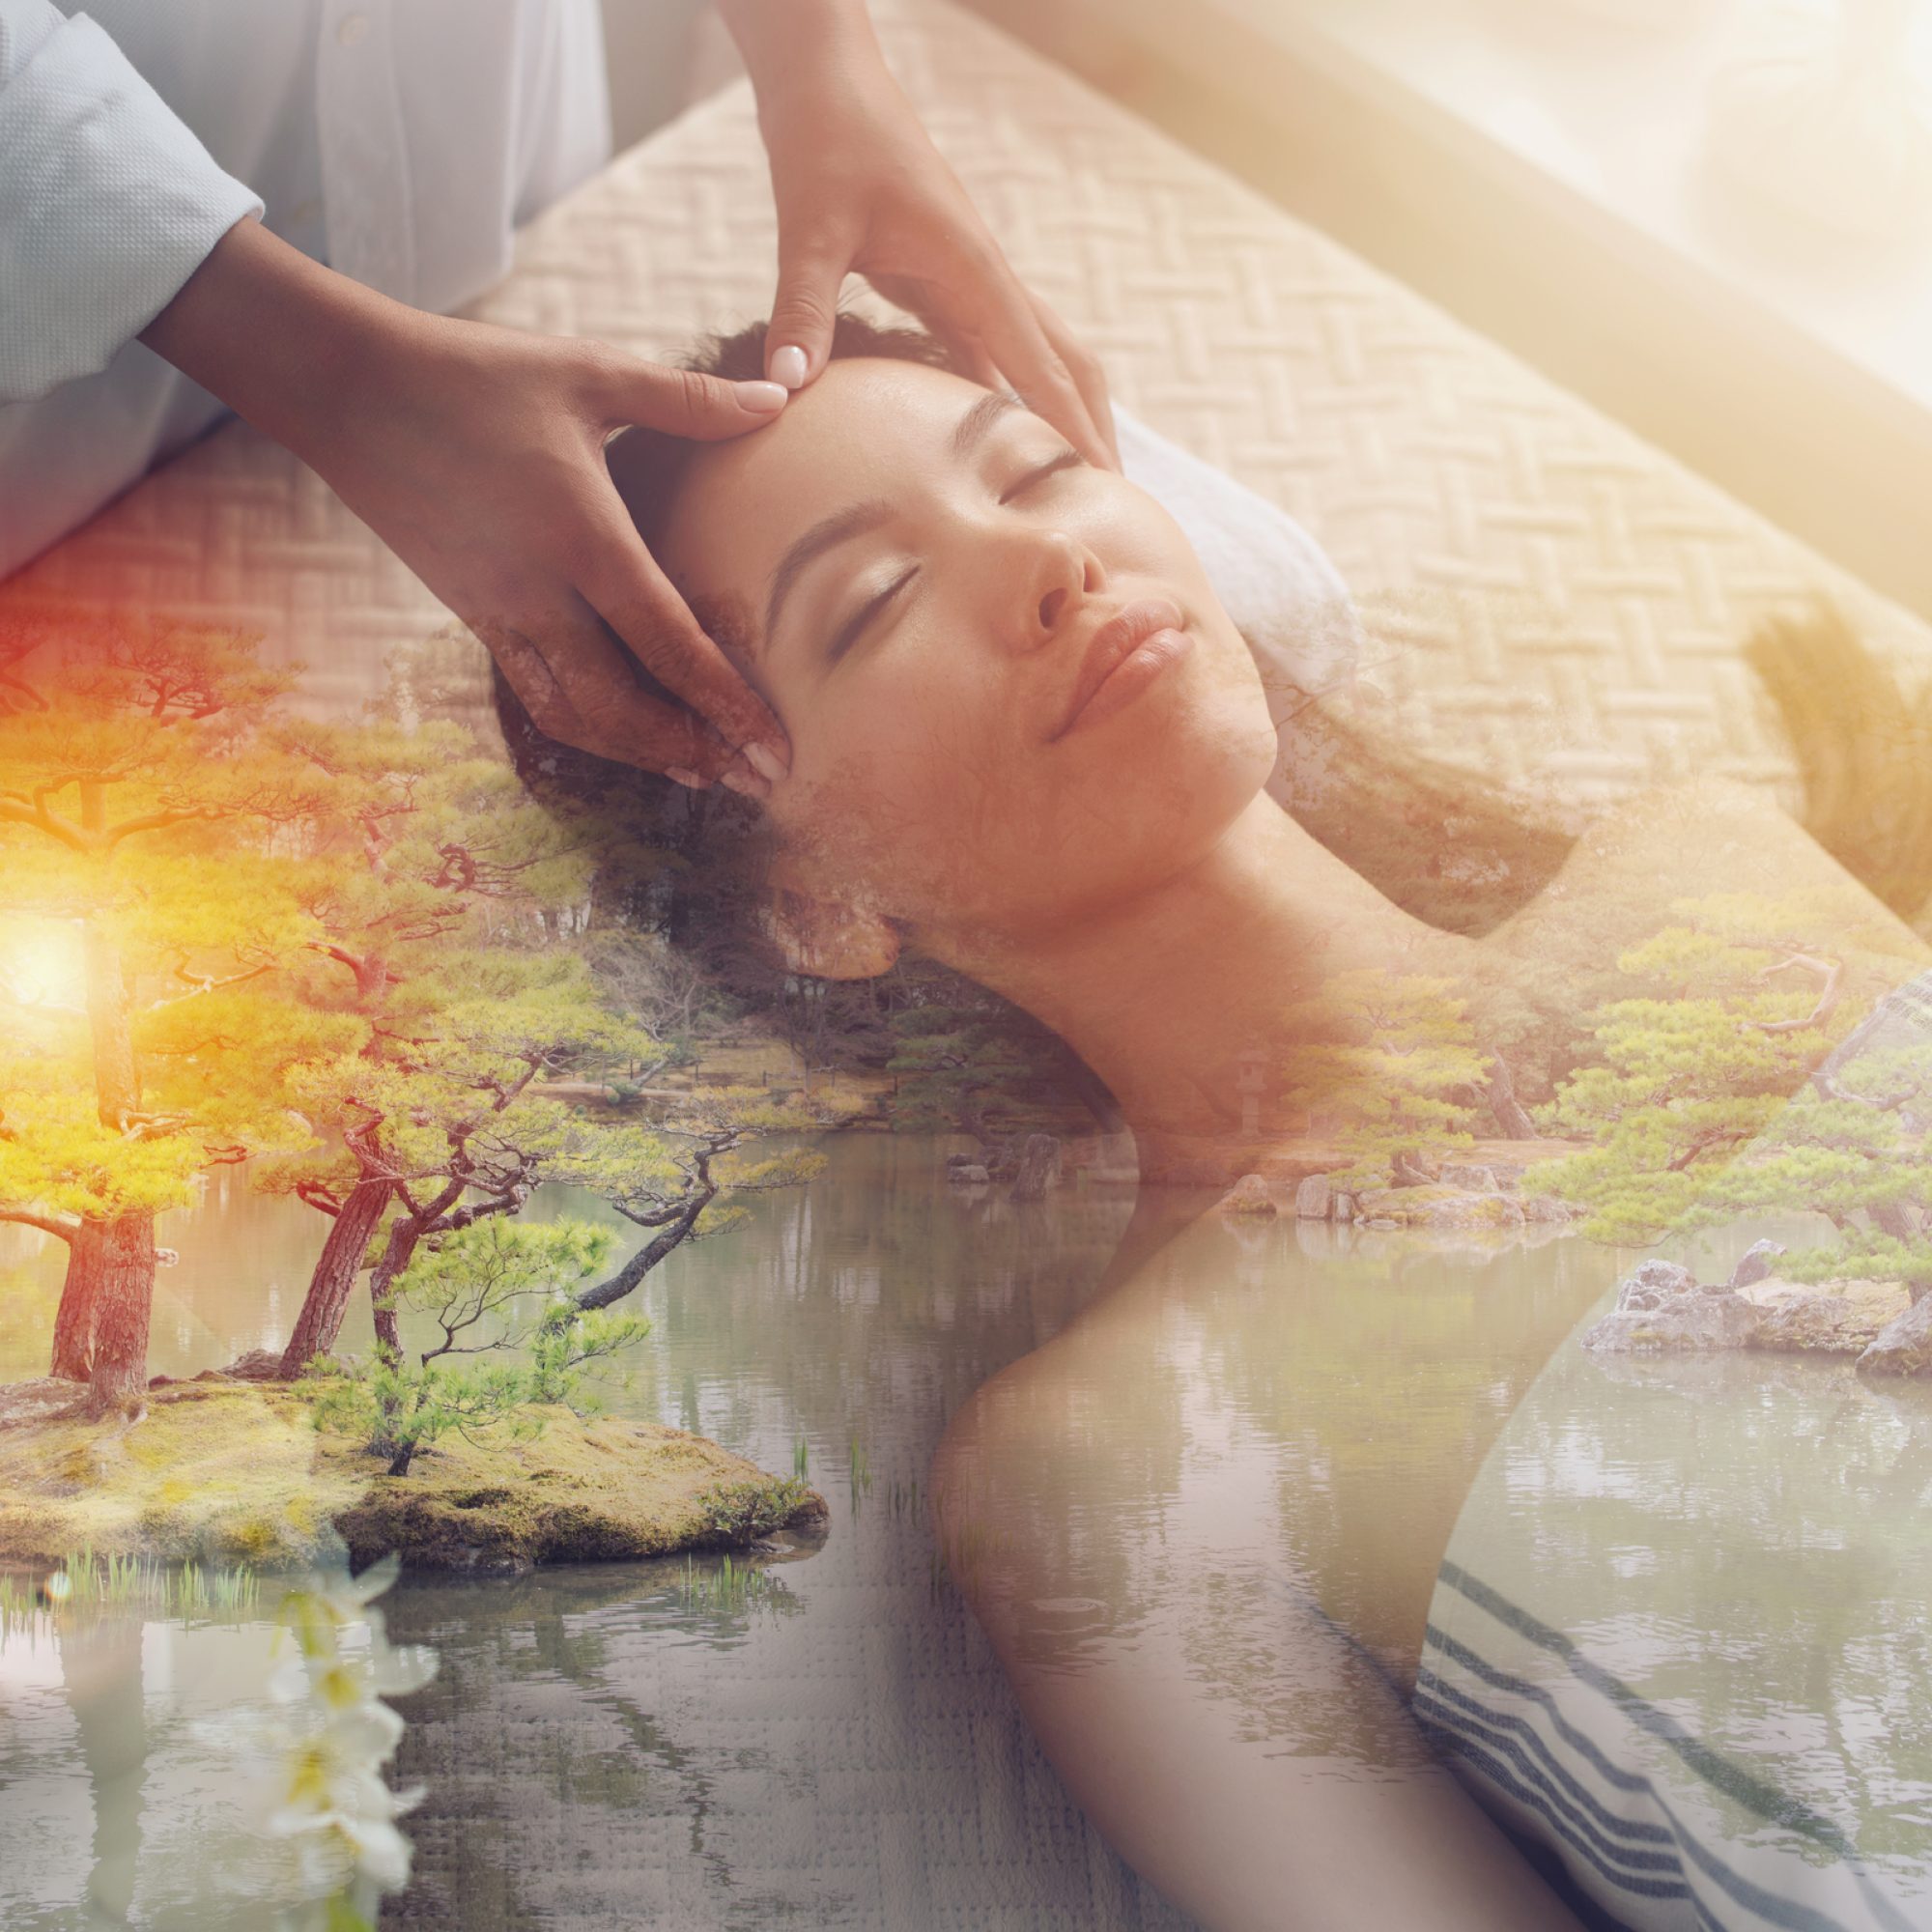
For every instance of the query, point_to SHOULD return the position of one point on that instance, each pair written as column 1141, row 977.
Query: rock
column 1478, row 1180
column 968, row 1173
column 1682, row 1322
column 1669, row 1277
column 1652, row 1284
column 1038, row 1168
column 963, row 1160
column 1547, row 1207
column 1904, row 1346
column 1313, row 1199
column 258, row 1365
column 1754, row 1264
column 1342, row 1208
column 1832, row 1325
column 1249, row 1195
column 1437, row 1205
column 1380, row 1221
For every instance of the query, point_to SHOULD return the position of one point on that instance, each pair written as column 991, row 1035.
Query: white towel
column 1272, row 577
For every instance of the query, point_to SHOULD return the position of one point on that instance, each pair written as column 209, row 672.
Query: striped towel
column 1682, row 1640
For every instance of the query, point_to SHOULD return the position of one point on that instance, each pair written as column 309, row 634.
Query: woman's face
column 914, row 572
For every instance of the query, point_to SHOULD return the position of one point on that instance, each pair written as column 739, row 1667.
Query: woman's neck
column 1181, row 997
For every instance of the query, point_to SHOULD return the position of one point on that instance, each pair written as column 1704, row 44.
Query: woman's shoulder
column 1686, row 839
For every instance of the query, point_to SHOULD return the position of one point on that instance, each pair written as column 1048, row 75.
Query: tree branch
column 47, row 1224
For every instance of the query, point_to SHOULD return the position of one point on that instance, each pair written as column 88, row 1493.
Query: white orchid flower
column 323, row 1734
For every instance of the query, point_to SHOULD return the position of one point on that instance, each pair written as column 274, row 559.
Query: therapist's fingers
column 573, row 681
column 679, row 402
column 1083, row 365
column 621, row 582
column 966, row 352
column 1000, row 313
column 798, row 338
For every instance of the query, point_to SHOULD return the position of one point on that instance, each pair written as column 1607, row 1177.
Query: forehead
column 856, row 433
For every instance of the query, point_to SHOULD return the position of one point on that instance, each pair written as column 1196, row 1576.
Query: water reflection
column 1267, row 1417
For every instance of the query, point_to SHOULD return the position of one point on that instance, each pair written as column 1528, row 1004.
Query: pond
column 833, row 1743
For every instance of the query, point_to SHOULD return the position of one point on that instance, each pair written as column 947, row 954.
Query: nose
column 1065, row 574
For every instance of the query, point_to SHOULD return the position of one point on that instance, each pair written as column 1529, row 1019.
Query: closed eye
column 855, row 626
column 1065, row 457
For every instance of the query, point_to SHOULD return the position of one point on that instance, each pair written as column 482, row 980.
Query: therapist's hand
column 861, row 189
column 476, row 454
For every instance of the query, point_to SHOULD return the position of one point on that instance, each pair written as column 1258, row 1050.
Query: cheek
column 902, row 781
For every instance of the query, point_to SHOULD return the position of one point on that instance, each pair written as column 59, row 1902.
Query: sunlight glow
column 41, row 963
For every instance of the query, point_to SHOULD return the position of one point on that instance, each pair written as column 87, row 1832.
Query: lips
column 1119, row 638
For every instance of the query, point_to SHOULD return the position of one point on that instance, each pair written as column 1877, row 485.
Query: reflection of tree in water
column 502, row 1759
column 877, row 1290
column 572, row 1727
column 100, row 1669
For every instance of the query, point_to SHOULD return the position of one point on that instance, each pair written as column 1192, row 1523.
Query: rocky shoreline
column 1662, row 1308
column 1464, row 1196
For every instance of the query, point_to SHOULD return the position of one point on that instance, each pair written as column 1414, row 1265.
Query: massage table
column 1545, row 597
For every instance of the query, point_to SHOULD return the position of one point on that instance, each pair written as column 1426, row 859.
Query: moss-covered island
column 236, row 1472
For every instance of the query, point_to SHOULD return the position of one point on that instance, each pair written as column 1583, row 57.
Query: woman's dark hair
column 1446, row 845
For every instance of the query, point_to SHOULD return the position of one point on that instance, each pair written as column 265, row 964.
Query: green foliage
column 1384, row 1052
column 144, row 824
column 968, row 1069
column 747, row 1511
column 499, row 1287
column 82, row 1585
column 1689, row 1080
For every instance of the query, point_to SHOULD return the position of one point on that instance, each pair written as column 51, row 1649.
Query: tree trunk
column 328, row 1298
column 1890, row 1219
column 80, row 1294
column 121, row 1306
column 1039, row 1168
column 123, row 1297
column 640, row 1264
column 1516, row 1124
column 397, row 1254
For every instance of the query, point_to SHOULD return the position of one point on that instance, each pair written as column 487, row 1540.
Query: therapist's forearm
column 779, row 39
column 271, row 332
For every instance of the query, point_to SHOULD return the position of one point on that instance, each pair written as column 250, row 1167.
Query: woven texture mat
column 1545, row 595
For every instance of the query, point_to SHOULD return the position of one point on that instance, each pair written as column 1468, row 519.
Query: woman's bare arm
column 1223, row 1731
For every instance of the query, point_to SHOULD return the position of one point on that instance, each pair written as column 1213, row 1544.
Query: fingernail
column 788, row 366
column 750, row 783
column 766, row 398
column 765, row 761
column 685, row 778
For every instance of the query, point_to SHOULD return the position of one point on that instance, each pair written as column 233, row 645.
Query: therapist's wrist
column 272, row 333
column 786, row 44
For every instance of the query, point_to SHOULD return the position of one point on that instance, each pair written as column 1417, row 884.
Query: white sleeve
column 109, row 202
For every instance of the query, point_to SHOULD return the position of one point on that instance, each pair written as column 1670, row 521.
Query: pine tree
column 1386, row 1057
column 139, row 808
column 1694, row 1069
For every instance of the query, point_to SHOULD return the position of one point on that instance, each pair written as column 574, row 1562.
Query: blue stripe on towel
column 1498, row 1774
column 1769, row 1804
column 1746, row 1789
column 1645, row 1847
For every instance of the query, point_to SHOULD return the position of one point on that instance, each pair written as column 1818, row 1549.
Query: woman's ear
column 827, row 941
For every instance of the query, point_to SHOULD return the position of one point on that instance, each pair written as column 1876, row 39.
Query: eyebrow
column 824, row 535
column 845, row 524
column 972, row 426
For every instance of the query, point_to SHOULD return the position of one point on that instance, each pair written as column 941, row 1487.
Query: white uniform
column 399, row 141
